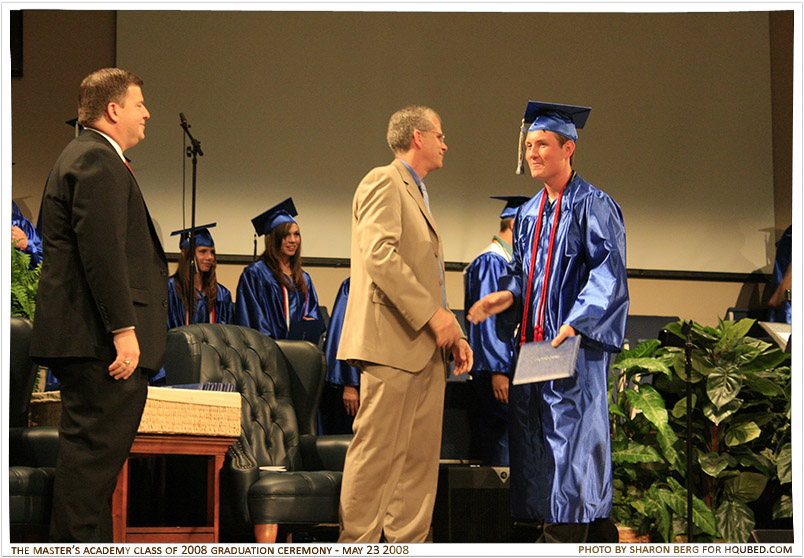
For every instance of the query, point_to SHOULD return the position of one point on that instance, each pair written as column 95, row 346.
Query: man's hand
column 445, row 327
column 489, row 305
column 128, row 355
column 351, row 400
column 564, row 332
column 463, row 356
column 19, row 238
column 499, row 385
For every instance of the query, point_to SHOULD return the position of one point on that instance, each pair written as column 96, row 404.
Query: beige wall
column 61, row 47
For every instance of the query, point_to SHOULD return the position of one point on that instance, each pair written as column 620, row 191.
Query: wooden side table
column 167, row 444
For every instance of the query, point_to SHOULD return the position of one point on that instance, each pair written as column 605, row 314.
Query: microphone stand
column 194, row 151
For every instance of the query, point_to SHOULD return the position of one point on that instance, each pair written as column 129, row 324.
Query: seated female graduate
column 274, row 294
column 341, row 397
column 212, row 302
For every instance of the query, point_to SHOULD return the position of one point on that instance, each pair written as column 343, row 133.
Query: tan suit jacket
column 396, row 273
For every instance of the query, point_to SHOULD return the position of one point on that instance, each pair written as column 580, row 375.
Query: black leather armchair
column 280, row 383
column 32, row 451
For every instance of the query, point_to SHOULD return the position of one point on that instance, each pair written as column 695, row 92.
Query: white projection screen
column 297, row 104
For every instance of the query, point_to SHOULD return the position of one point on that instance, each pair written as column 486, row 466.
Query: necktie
column 423, row 189
column 129, row 168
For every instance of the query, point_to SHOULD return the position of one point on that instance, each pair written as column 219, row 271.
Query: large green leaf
column 783, row 507
column 741, row 433
column 766, row 387
column 713, row 464
column 719, row 415
column 635, row 453
column 646, row 364
column 745, row 487
column 676, row 500
column 644, row 349
column 655, row 508
column 764, row 360
column 648, row 400
column 732, row 333
column 680, row 408
column 723, row 385
column 784, row 464
column 762, row 463
column 735, row 520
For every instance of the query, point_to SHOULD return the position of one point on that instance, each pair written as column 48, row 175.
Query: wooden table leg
column 120, row 506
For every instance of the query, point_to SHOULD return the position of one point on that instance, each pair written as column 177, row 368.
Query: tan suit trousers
column 391, row 470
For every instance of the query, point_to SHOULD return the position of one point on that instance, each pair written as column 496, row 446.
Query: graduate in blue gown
column 341, row 397
column 781, row 309
column 274, row 292
column 213, row 301
column 24, row 236
column 567, row 278
column 493, row 356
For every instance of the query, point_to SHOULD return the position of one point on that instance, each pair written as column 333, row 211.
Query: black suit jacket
column 103, row 264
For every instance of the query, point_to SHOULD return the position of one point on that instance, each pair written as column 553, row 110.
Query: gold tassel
column 520, row 168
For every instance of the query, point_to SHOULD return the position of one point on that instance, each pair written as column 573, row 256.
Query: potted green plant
column 740, row 434
column 24, row 284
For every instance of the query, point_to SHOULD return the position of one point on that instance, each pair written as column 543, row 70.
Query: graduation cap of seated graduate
column 512, row 203
column 201, row 234
column 74, row 124
column 561, row 119
column 264, row 223
column 283, row 212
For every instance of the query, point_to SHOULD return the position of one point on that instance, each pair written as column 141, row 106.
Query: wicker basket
column 167, row 411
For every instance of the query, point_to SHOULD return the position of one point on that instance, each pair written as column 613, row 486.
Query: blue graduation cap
column 283, row 212
column 75, row 125
column 553, row 117
column 202, row 236
column 512, row 203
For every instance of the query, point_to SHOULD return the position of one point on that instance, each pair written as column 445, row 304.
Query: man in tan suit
column 398, row 331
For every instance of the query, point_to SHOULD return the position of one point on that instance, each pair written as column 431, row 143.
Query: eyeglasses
column 439, row 136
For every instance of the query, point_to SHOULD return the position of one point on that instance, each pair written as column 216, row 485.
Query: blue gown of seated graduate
column 224, row 312
column 334, row 418
column 491, row 353
column 34, row 247
column 784, row 251
column 559, row 438
column 260, row 302
column 338, row 372
column 224, row 309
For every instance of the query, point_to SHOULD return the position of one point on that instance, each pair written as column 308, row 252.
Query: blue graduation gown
column 260, row 302
column 333, row 417
column 224, row 309
column 338, row 372
column 491, row 353
column 559, row 430
column 481, row 277
column 784, row 251
column 34, row 247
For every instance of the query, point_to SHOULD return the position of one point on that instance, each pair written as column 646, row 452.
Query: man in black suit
column 101, row 312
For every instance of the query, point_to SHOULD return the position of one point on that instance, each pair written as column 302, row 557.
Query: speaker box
column 472, row 505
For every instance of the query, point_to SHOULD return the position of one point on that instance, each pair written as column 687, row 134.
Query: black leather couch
column 280, row 383
column 32, row 451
